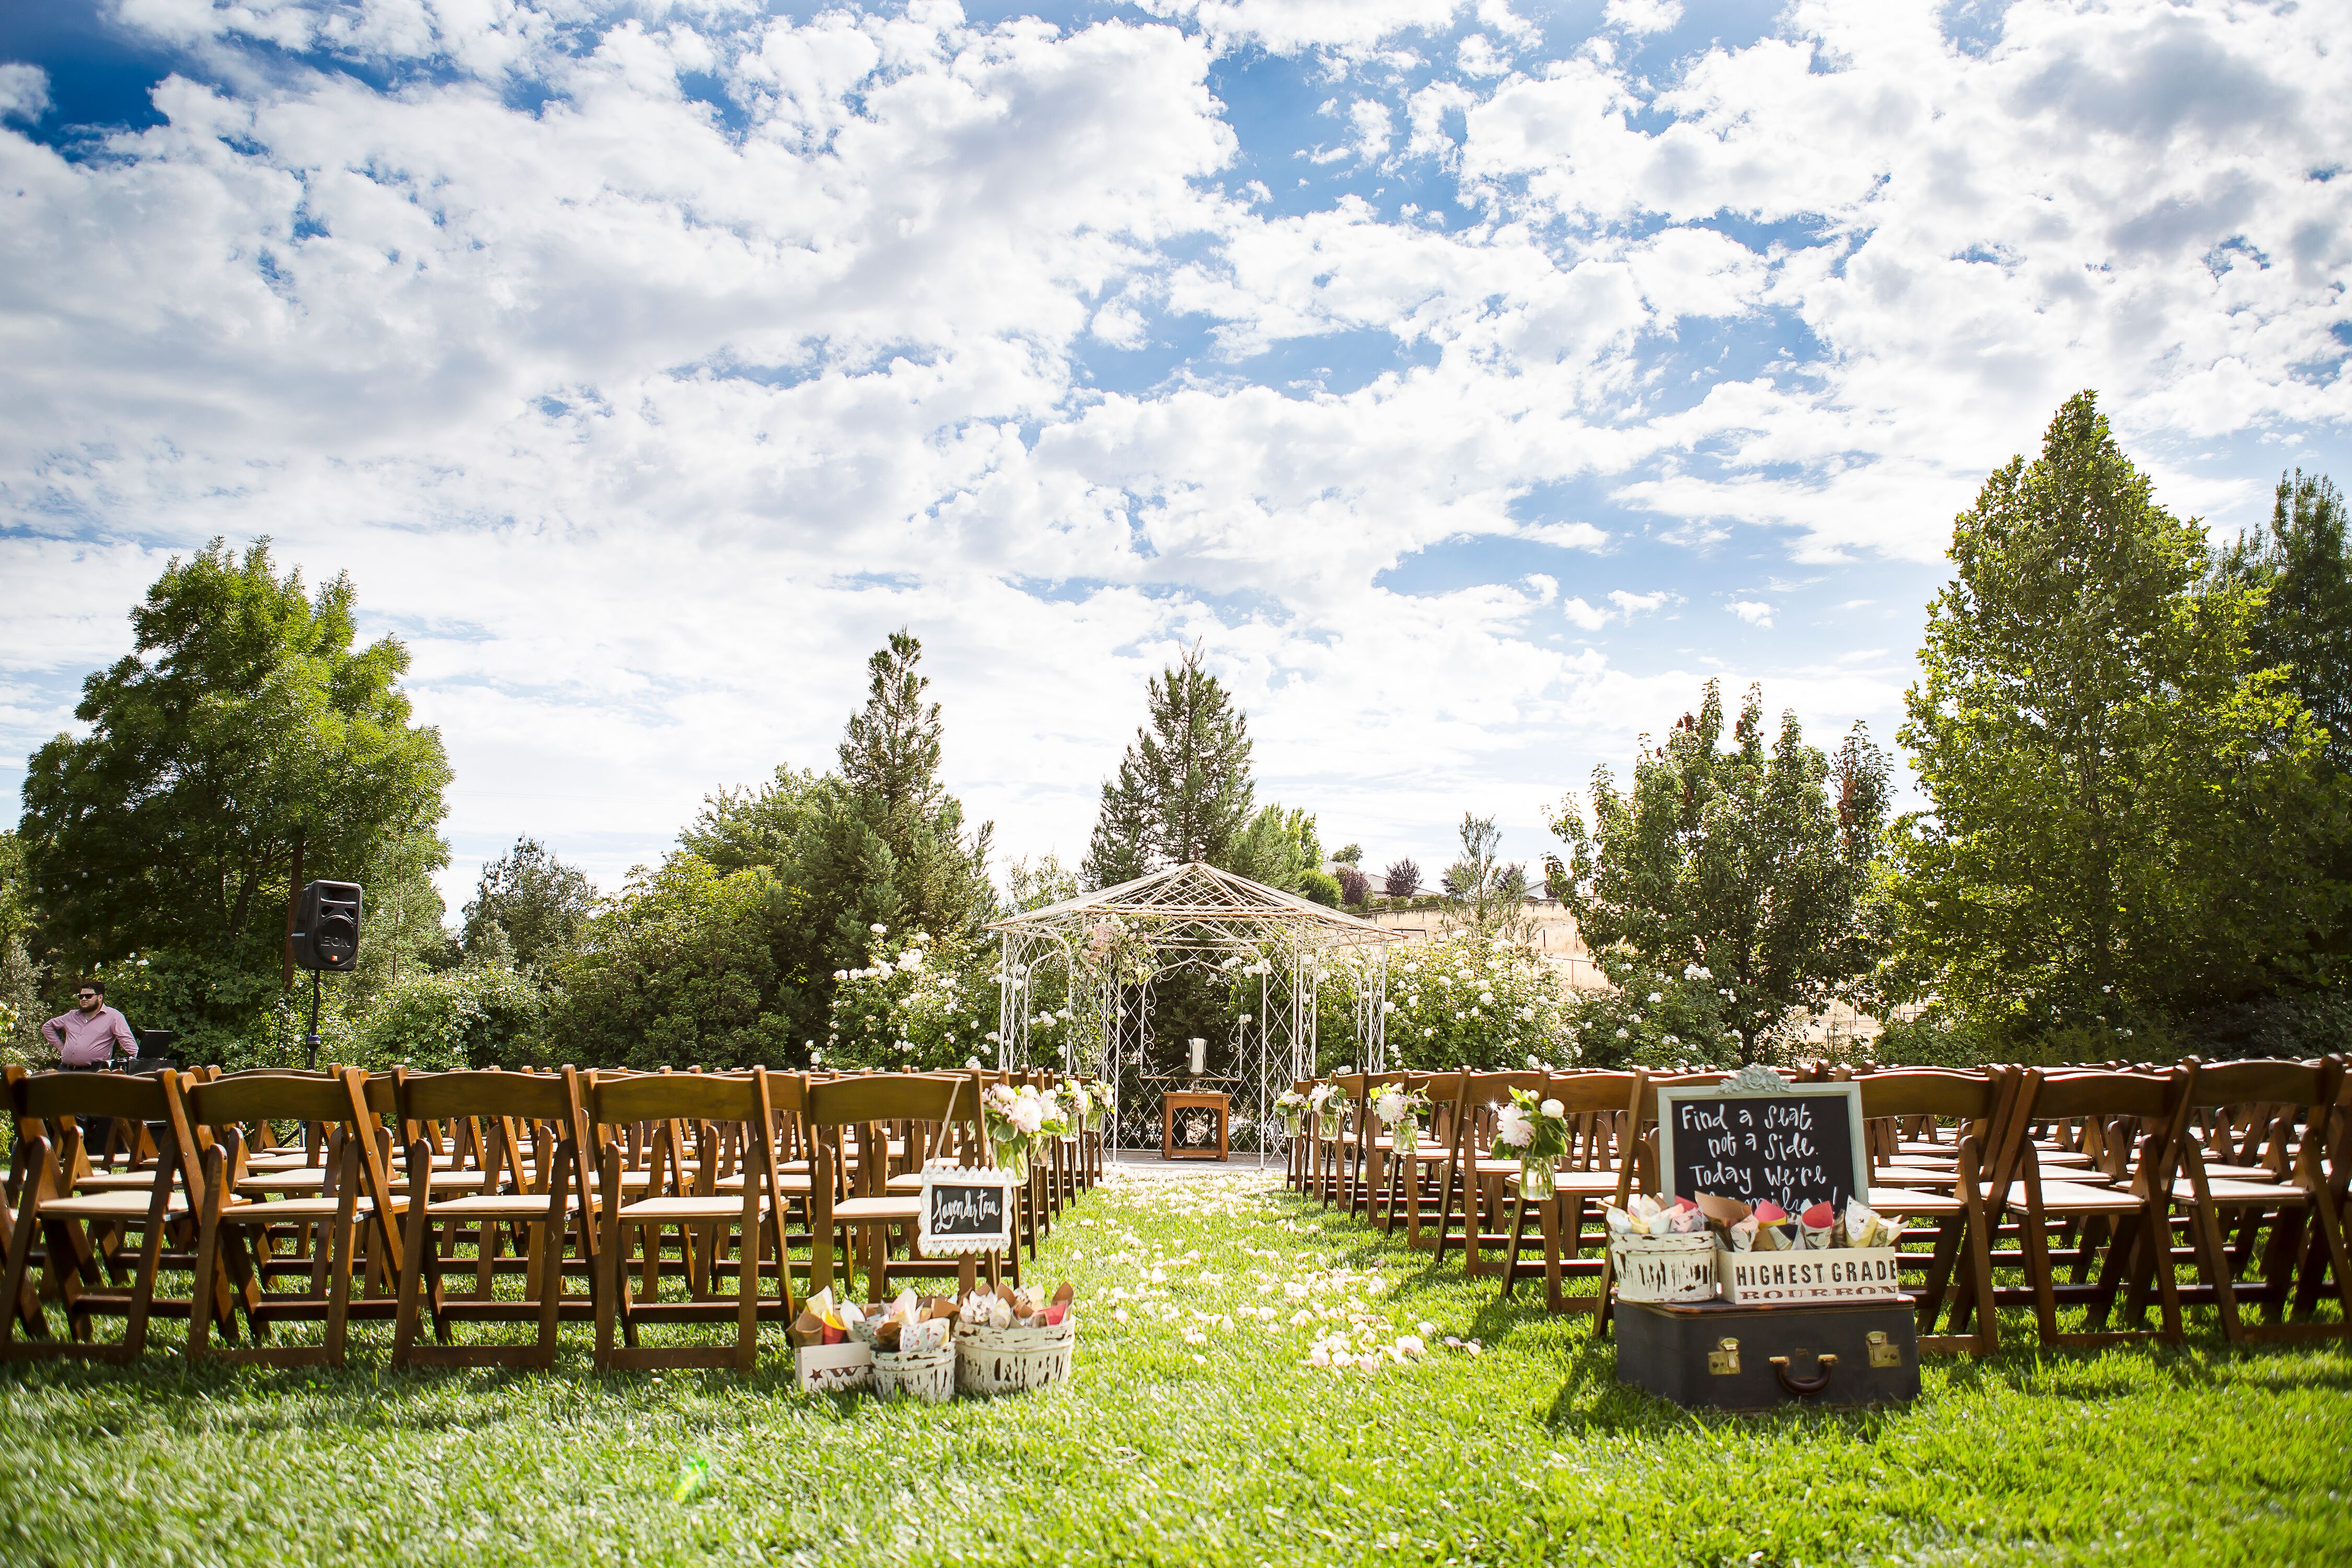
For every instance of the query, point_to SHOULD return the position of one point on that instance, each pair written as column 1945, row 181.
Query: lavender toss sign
column 1759, row 1141
column 966, row 1209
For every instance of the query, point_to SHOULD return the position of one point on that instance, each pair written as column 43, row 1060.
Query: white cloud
column 643, row 427
column 23, row 92
column 1642, row 15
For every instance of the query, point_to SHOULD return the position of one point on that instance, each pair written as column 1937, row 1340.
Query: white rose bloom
column 1551, row 1108
column 1657, row 996
column 878, row 929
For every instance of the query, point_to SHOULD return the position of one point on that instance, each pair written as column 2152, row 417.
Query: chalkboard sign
column 966, row 1210
column 1797, row 1145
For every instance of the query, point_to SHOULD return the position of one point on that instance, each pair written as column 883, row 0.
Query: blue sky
column 1470, row 381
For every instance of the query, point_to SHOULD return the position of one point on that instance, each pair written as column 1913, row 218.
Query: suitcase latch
column 1724, row 1360
column 1884, row 1351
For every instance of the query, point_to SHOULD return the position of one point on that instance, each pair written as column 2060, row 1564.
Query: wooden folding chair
column 1472, row 1179
column 545, row 1199
column 75, row 1227
column 2280, row 1199
column 674, row 1099
column 852, row 1184
column 233, row 1237
column 2132, row 1123
column 1951, row 1196
column 1402, row 1193
column 1591, row 1100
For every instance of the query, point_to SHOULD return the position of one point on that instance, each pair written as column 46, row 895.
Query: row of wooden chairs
column 664, row 1198
column 2101, row 1184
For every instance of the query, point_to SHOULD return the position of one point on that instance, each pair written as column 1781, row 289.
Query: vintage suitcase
column 1712, row 1355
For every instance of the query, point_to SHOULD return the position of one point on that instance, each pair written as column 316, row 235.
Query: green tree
column 1489, row 895
column 244, row 720
column 1751, row 864
column 890, row 846
column 405, row 935
column 1183, row 791
column 540, row 904
column 681, row 970
column 2301, row 564
column 1281, row 848
column 766, row 827
column 2130, row 808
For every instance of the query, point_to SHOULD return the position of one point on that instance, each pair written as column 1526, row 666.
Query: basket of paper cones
column 1011, row 1342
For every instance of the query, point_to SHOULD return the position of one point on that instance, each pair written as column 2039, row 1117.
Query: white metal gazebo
column 1114, row 944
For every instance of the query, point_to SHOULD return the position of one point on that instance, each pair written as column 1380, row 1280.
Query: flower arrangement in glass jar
column 1535, row 1134
column 1016, row 1119
column 1402, row 1110
column 1291, row 1106
column 1324, row 1100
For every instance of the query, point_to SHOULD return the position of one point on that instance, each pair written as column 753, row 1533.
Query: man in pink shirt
column 89, row 1035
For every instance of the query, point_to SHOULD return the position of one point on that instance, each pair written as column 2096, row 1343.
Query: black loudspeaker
column 327, row 927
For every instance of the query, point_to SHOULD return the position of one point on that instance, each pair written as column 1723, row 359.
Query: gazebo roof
column 1196, row 893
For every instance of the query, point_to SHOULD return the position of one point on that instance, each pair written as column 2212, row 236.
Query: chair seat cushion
column 275, row 1209
column 2226, row 1191
column 110, row 1206
column 1897, row 1201
column 2076, row 1197
column 498, row 1205
column 671, row 1209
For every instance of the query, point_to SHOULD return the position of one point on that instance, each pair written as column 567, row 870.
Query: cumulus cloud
column 647, row 364
column 23, row 92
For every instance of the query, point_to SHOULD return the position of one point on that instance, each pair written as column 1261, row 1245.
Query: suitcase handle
column 1804, row 1387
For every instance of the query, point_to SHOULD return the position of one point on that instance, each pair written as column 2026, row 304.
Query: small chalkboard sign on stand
column 966, row 1209
column 1795, row 1145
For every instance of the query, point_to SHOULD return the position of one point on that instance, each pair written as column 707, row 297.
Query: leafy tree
column 1401, row 879
column 1034, row 884
column 1355, row 887
column 766, row 827
column 404, row 909
column 1488, row 893
column 540, row 904
column 2131, row 810
column 477, row 1015
column 1348, row 855
column 681, row 969
column 1750, row 865
column 244, row 720
column 1281, row 848
column 1183, row 791
column 1650, row 1016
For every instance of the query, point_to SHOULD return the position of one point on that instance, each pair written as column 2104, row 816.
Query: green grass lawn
column 1166, row 1451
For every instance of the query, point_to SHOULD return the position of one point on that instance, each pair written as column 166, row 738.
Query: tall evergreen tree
column 2306, row 625
column 1183, row 791
column 893, row 850
column 2129, row 806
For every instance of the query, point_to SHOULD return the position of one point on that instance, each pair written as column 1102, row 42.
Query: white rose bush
column 1469, row 1001
column 914, row 1007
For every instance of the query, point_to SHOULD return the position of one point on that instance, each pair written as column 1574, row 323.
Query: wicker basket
column 1664, row 1267
column 926, row 1377
column 1014, row 1361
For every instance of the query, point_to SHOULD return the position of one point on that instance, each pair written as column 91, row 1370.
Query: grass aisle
column 1166, row 1450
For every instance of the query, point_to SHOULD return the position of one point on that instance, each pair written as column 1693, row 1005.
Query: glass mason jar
column 1330, row 1123
column 1014, row 1157
column 1538, row 1181
column 1404, row 1134
column 1291, row 1116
